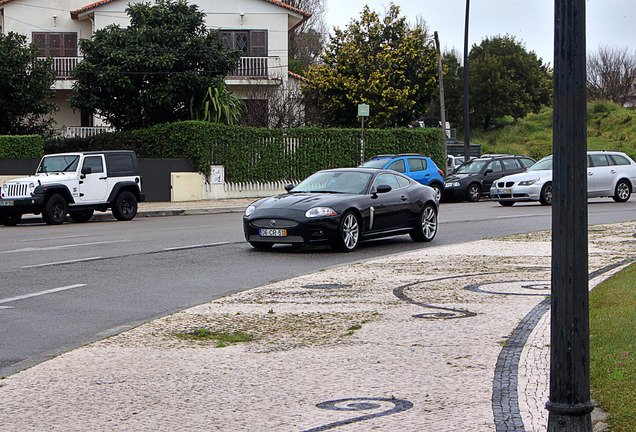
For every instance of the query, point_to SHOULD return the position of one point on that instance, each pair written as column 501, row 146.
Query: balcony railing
column 85, row 132
column 63, row 66
column 249, row 67
column 255, row 67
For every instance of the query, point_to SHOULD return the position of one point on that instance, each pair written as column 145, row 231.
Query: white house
column 259, row 28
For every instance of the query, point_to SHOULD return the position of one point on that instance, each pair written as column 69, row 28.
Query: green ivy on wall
column 260, row 154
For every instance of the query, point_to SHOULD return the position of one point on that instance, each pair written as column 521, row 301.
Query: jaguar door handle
column 403, row 198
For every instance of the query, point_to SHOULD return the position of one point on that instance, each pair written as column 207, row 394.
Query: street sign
column 363, row 110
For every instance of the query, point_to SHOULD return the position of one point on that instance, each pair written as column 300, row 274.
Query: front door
column 93, row 185
column 391, row 209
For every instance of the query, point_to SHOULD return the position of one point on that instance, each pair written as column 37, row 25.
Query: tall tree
column 379, row 61
column 149, row 73
column 506, row 80
column 25, row 86
column 306, row 41
column 611, row 74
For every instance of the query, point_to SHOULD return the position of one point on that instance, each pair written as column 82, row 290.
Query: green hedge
column 21, row 146
column 259, row 154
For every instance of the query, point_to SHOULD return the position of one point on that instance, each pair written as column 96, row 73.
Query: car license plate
column 6, row 203
column 504, row 191
column 272, row 232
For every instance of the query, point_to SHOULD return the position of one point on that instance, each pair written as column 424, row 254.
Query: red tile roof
column 74, row 13
column 298, row 77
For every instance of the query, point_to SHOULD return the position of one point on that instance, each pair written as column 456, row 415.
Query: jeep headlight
column 5, row 187
column 320, row 212
column 528, row 182
column 31, row 186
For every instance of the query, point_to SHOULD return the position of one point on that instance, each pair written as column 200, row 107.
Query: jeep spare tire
column 125, row 206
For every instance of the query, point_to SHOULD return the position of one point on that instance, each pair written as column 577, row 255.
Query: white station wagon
column 609, row 174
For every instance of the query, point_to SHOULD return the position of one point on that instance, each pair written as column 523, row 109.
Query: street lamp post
column 569, row 405
column 466, row 112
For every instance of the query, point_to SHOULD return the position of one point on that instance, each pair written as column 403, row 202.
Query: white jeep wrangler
column 77, row 184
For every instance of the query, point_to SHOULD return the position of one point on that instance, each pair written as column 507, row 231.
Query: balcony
column 63, row 66
column 256, row 68
column 248, row 68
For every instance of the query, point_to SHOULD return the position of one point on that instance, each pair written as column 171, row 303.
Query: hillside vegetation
column 609, row 127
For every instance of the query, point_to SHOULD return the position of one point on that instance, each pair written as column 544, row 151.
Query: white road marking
column 36, row 294
column 50, row 248
column 195, row 246
column 56, row 238
column 61, row 262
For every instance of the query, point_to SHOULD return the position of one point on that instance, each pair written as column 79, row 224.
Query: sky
column 610, row 23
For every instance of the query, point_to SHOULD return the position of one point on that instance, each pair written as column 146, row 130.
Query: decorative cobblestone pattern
column 334, row 350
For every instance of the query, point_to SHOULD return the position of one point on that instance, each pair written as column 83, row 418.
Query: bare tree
column 306, row 42
column 274, row 107
column 611, row 74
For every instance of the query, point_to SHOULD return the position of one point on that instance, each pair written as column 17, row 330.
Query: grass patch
column 222, row 339
column 613, row 348
column 609, row 127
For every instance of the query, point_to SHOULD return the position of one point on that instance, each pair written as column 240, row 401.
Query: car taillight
column 440, row 172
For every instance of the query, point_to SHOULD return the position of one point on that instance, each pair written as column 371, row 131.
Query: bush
column 259, row 154
column 21, row 146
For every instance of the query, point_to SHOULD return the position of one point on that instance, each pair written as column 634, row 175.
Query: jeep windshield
column 60, row 163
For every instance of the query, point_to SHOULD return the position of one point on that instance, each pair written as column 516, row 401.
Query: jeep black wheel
column 10, row 219
column 55, row 209
column 81, row 215
column 125, row 206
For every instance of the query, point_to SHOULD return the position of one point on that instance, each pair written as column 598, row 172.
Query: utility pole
column 569, row 405
column 466, row 112
column 442, row 105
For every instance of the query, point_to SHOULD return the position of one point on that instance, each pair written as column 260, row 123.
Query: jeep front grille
column 17, row 190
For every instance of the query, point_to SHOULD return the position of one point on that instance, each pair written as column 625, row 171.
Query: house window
column 56, row 44
column 253, row 43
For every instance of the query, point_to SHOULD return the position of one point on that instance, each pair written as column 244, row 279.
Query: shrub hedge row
column 21, row 146
column 259, row 154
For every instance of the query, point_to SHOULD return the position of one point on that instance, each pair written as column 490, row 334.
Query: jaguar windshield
column 335, row 182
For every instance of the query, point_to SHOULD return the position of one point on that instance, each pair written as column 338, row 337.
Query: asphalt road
column 64, row 286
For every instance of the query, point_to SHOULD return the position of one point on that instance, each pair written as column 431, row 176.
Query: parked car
column 416, row 166
column 609, row 174
column 454, row 162
column 343, row 207
column 76, row 184
column 473, row 179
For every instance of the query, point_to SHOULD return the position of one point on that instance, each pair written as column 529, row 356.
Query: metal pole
column 569, row 405
column 442, row 105
column 362, row 142
column 466, row 112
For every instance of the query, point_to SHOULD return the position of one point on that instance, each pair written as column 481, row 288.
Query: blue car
column 416, row 166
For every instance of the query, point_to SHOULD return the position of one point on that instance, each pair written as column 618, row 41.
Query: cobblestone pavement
column 448, row 338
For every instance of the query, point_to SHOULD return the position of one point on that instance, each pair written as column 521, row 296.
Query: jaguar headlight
column 528, row 182
column 320, row 212
column 249, row 210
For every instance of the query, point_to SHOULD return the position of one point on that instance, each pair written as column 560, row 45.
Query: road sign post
column 363, row 111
